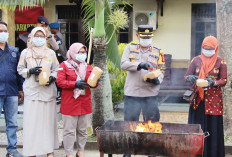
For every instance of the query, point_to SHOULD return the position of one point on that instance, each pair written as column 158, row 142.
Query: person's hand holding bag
column 35, row 70
column 51, row 80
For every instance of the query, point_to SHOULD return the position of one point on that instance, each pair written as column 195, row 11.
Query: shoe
column 14, row 154
column 151, row 156
column 126, row 155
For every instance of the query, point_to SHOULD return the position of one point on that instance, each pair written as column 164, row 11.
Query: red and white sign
column 26, row 18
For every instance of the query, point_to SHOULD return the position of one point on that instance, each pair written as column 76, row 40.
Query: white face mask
column 208, row 53
column 81, row 57
column 38, row 41
column 4, row 37
column 145, row 42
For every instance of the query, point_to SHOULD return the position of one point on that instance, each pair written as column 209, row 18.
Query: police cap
column 145, row 31
column 43, row 20
column 54, row 25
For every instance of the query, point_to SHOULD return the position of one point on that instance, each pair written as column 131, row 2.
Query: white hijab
column 35, row 52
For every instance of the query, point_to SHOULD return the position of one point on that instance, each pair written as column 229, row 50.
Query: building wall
column 173, row 34
column 8, row 17
column 50, row 8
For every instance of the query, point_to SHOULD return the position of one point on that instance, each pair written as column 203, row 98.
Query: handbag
column 190, row 96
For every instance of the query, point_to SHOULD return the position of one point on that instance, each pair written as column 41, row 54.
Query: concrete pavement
column 60, row 153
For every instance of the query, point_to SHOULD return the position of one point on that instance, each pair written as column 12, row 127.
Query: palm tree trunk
column 224, row 35
column 102, row 95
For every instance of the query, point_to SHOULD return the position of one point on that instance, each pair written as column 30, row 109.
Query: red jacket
column 66, row 79
column 213, row 96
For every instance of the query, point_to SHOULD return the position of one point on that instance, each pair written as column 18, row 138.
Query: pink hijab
column 80, row 68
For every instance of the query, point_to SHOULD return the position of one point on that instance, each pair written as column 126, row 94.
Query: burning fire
column 148, row 127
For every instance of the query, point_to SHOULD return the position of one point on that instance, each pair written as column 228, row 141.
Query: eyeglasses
column 39, row 36
column 3, row 31
column 82, row 51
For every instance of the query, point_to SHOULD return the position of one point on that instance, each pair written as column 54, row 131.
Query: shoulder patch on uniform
column 13, row 54
column 21, row 59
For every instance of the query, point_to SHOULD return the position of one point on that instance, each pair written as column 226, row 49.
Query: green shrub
column 117, row 78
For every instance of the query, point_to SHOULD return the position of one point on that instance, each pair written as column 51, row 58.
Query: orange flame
column 148, row 127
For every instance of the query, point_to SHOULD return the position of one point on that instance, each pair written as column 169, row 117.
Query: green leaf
column 88, row 7
column 23, row 4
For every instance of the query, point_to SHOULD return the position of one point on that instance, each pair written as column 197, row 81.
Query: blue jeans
column 10, row 107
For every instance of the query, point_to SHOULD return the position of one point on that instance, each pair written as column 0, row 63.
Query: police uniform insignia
column 13, row 54
column 55, row 60
column 21, row 59
column 48, row 60
column 134, row 49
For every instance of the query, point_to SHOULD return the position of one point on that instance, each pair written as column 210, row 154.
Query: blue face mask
column 145, row 42
column 81, row 57
column 208, row 53
column 38, row 41
column 4, row 37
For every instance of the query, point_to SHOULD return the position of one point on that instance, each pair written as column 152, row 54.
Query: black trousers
column 214, row 144
column 134, row 105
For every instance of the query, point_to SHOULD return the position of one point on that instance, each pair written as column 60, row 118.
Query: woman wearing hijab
column 40, row 123
column 207, row 109
column 76, row 104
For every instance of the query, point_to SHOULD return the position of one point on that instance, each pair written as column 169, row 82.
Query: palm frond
column 88, row 9
column 23, row 4
column 112, row 47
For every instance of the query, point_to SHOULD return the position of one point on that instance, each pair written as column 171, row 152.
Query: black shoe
column 151, row 156
column 126, row 155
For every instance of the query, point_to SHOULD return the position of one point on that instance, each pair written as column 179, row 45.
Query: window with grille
column 69, row 17
column 203, row 24
column 125, row 36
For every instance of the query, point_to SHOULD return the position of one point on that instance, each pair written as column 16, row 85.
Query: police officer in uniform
column 139, row 60
column 61, row 52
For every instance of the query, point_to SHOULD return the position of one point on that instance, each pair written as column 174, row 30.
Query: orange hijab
column 208, row 63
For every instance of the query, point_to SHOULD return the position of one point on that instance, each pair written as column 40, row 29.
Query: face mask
column 39, row 41
column 208, row 53
column 4, row 37
column 81, row 57
column 145, row 42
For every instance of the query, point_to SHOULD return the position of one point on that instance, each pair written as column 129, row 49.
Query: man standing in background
column 61, row 52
